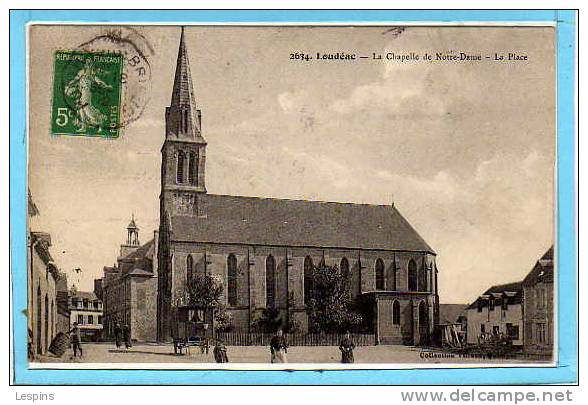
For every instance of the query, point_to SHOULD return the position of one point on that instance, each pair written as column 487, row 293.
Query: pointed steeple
column 182, row 116
column 132, row 224
column 183, row 92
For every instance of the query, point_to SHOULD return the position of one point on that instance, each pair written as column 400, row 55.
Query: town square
column 268, row 277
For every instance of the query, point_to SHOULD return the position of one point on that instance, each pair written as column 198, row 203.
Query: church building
column 129, row 288
column 264, row 249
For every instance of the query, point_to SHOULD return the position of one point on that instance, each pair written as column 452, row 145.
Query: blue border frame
column 567, row 368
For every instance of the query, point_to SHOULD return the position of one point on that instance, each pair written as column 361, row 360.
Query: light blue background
column 567, row 369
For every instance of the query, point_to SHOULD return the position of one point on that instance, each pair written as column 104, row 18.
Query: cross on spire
column 183, row 118
column 183, row 92
column 133, row 232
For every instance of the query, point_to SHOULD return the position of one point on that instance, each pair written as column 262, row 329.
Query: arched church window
column 53, row 319
column 191, row 162
column 180, row 168
column 308, row 279
column 380, row 275
column 345, row 267
column 189, row 268
column 412, row 276
column 270, row 282
column 46, row 321
column 232, row 279
column 422, row 277
column 394, row 273
column 39, row 319
column 195, row 170
column 396, row 312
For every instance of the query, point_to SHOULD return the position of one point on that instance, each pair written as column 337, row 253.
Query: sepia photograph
column 291, row 196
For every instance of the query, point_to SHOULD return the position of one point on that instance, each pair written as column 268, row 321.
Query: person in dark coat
column 76, row 339
column 117, row 335
column 204, row 345
column 220, row 352
column 346, row 346
column 126, row 331
column 30, row 346
column 278, row 348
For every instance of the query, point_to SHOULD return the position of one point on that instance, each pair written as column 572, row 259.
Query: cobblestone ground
column 161, row 353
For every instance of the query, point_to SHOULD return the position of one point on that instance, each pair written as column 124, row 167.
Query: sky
column 465, row 151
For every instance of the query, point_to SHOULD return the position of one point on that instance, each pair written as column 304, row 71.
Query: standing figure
column 204, row 345
column 278, row 348
column 220, row 352
column 117, row 335
column 76, row 339
column 346, row 346
column 80, row 88
column 127, row 336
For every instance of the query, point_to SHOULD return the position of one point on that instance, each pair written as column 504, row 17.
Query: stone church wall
column 289, row 276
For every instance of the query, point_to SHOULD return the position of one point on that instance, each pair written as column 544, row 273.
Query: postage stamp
column 87, row 94
column 136, row 74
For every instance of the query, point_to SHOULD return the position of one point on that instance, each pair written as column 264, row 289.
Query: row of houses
column 520, row 311
column 52, row 307
column 47, row 314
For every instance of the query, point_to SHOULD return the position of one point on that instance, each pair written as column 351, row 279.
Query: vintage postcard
column 291, row 196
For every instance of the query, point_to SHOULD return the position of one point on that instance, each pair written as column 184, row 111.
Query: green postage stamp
column 87, row 89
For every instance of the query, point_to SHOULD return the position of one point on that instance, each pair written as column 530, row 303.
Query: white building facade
column 86, row 310
column 497, row 312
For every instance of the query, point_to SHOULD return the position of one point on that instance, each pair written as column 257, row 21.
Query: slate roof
column 144, row 251
column 515, row 287
column 85, row 295
column 448, row 313
column 542, row 271
column 280, row 222
column 140, row 261
column 42, row 246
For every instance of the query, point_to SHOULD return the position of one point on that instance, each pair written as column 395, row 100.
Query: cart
column 194, row 327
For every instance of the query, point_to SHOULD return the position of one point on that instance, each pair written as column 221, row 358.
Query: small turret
column 132, row 242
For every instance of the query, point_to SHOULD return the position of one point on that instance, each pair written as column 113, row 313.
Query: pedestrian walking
column 346, row 346
column 76, row 340
column 220, row 352
column 278, row 348
column 126, row 331
column 204, row 345
column 117, row 335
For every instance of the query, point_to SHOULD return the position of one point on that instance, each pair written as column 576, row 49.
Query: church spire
column 182, row 117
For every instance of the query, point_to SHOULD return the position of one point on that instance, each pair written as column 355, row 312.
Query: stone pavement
column 164, row 353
